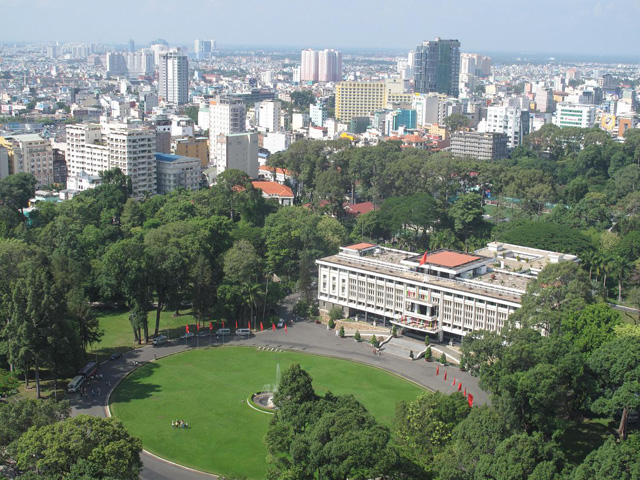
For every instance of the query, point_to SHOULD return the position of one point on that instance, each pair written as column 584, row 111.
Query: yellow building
column 359, row 99
column 194, row 147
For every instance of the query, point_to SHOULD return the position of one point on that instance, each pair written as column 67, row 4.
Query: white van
column 160, row 340
column 223, row 331
column 75, row 384
column 243, row 332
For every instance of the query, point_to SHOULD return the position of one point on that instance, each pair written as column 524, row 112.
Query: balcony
column 418, row 323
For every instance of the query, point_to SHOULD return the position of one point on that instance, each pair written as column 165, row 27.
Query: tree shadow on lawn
column 133, row 386
column 578, row 441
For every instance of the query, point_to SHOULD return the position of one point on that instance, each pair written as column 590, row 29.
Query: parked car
column 243, row 332
column 280, row 323
column 187, row 336
column 204, row 333
column 115, row 356
column 223, row 331
column 160, row 340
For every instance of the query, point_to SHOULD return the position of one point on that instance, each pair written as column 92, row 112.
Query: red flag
column 274, row 326
column 423, row 260
column 261, row 327
column 211, row 326
column 454, row 381
column 285, row 327
column 459, row 386
column 198, row 326
column 445, row 375
column 470, row 400
column 236, row 324
column 438, row 370
column 222, row 323
column 187, row 327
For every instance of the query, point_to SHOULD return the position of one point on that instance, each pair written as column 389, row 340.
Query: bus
column 89, row 370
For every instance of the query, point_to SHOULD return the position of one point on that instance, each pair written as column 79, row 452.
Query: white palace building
column 450, row 292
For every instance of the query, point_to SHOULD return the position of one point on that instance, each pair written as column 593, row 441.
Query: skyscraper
column 308, row 66
column 203, row 48
column 320, row 66
column 131, row 46
column 329, row 66
column 437, row 67
column 173, row 78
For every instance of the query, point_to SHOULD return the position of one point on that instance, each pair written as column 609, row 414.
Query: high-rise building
column 177, row 171
column 437, row 67
column 318, row 114
column 173, row 77
column 309, row 66
column 329, row 66
column 93, row 148
column 268, row 116
column 116, row 65
column 359, row 99
column 320, row 66
column 237, row 151
column 509, row 120
column 203, row 48
column 131, row 46
column 227, row 116
column 575, row 115
column 483, row 146
column 140, row 64
column 29, row 153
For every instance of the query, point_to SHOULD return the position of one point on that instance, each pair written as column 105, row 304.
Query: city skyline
column 507, row 27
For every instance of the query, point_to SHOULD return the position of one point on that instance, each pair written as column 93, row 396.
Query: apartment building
column 93, row 148
column 483, row 146
column 359, row 99
column 173, row 77
column 433, row 293
column 511, row 121
column 177, row 171
column 195, row 147
column 237, row 151
column 29, row 153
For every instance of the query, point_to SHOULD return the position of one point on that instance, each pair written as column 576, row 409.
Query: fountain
column 264, row 398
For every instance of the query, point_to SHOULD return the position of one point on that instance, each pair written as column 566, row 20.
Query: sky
column 549, row 26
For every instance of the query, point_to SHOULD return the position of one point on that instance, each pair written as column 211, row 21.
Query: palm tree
column 619, row 267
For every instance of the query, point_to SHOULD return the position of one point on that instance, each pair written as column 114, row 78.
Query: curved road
column 304, row 337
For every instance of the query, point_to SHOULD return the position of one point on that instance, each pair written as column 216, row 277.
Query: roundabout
column 211, row 390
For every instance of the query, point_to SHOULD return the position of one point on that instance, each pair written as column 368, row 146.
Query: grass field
column 118, row 335
column 208, row 388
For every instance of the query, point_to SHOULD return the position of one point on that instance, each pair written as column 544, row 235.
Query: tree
column 466, row 214
column 589, row 328
column 522, row 456
column 456, row 121
column 16, row 418
column 84, row 318
column 423, row 427
column 560, row 288
column 8, row 383
column 302, row 99
column 54, row 450
column 242, row 270
column 612, row 461
column 617, row 368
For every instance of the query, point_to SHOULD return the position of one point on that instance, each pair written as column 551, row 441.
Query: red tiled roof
column 273, row 188
column 359, row 208
column 360, row 246
column 450, row 259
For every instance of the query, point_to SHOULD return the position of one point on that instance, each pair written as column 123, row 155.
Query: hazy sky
column 554, row 26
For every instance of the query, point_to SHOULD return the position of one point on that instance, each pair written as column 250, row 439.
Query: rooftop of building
column 26, row 137
column 273, row 188
column 279, row 171
column 447, row 258
column 168, row 157
column 517, row 258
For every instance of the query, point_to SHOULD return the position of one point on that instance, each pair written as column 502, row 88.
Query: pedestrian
column 108, row 384
column 98, row 392
column 93, row 393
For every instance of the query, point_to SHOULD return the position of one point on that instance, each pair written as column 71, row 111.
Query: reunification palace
column 434, row 293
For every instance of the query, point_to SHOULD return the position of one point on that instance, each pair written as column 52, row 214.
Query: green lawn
column 577, row 442
column 208, row 388
column 118, row 335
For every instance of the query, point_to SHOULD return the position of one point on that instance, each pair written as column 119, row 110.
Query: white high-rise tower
column 173, row 80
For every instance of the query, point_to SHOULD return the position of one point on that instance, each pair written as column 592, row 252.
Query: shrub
column 443, row 359
column 331, row 323
column 341, row 332
column 394, row 331
column 428, row 355
column 411, row 354
column 335, row 313
column 427, row 341
column 374, row 341
column 357, row 336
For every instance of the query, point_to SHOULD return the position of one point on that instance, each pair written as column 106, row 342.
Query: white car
column 204, row 333
column 187, row 336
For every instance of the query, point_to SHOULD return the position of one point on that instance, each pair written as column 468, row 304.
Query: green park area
column 209, row 388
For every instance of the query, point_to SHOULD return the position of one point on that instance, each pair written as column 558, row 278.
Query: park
column 210, row 388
